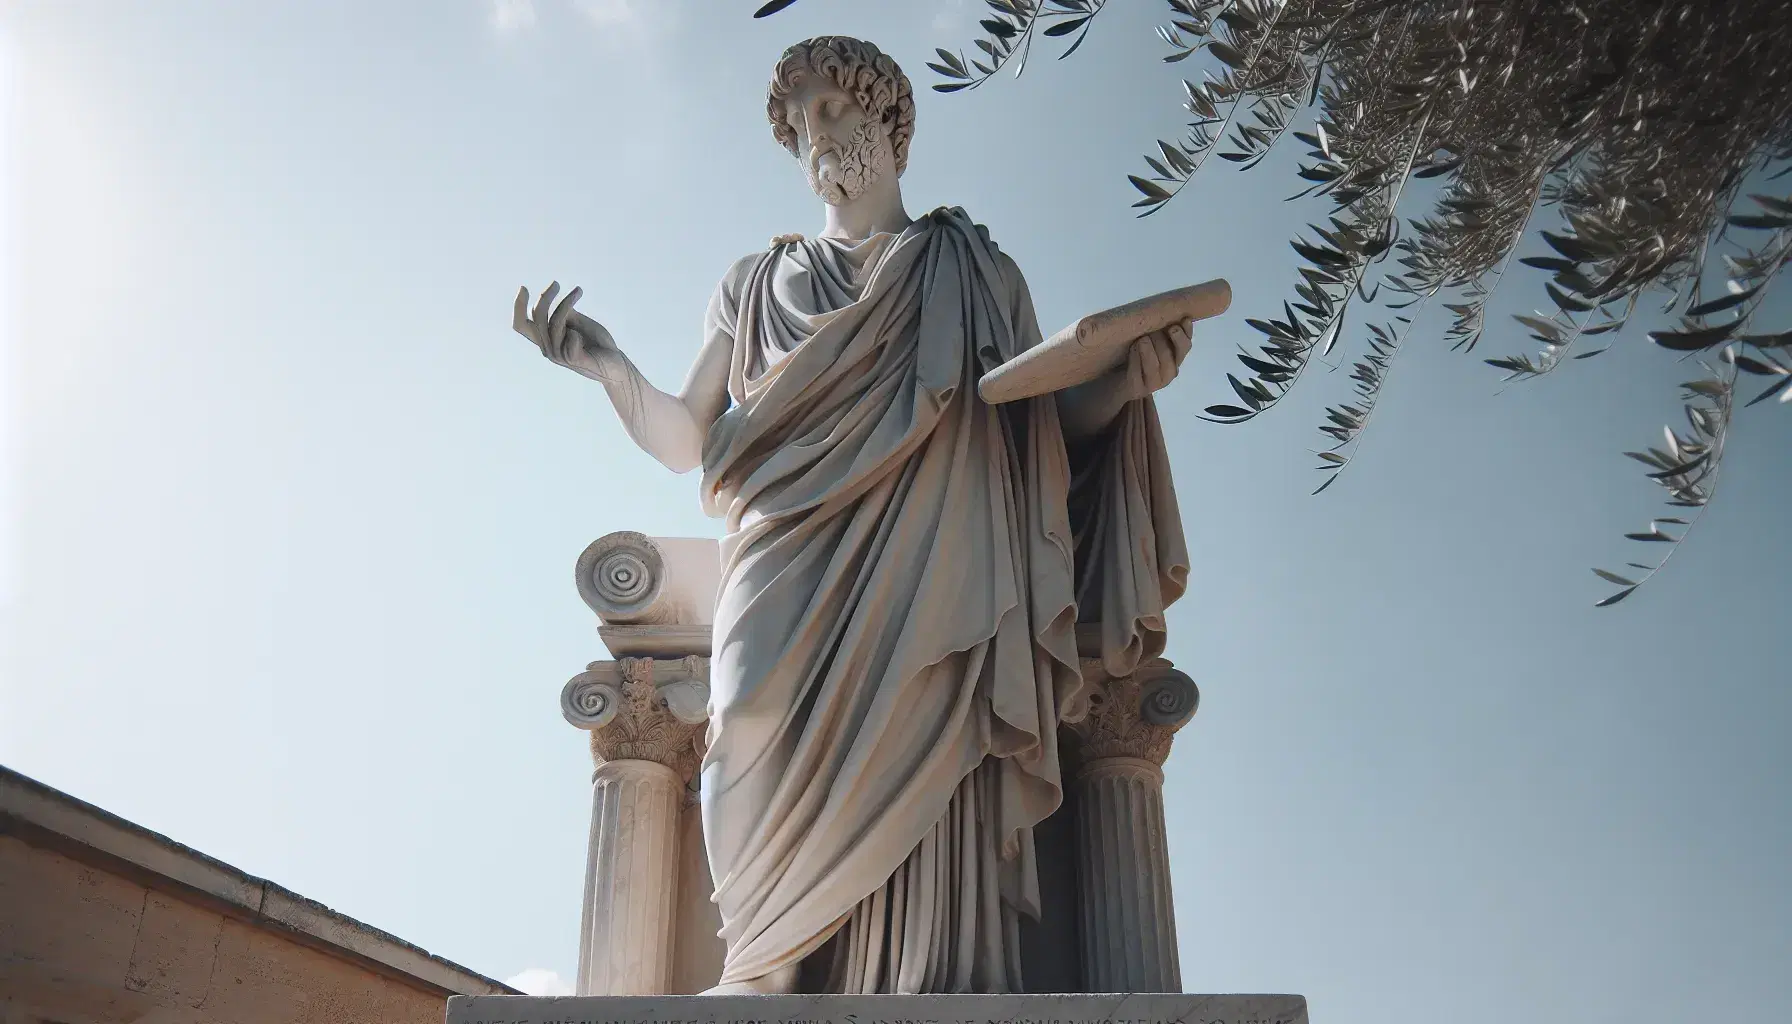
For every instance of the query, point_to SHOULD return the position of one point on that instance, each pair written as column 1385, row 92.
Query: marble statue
column 903, row 565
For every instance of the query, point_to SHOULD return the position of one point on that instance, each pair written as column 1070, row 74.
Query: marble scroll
column 1099, row 342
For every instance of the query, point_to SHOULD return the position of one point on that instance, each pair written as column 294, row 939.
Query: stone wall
column 101, row 921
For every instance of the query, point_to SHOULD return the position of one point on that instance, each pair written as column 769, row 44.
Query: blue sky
column 290, row 514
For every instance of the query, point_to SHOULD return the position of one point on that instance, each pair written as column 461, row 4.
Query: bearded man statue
column 904, row 564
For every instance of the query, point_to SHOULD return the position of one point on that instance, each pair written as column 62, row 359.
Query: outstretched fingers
column 557, row 322
column 519, row 322
column 539, row 320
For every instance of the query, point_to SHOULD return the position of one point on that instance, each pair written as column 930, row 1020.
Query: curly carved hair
column 862, row 70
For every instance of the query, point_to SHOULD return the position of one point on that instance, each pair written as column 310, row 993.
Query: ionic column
column 630, row 880
column 1127, row 916
column 646, row 720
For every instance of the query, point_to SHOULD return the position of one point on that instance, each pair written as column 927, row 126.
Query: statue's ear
column 887, row 124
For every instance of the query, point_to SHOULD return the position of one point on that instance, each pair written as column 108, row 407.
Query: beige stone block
column 31, row 994
column 102, row 922
column 351, row 996
column 67, row 919
column 263, row 977
column 251, row 981
column 176, row 947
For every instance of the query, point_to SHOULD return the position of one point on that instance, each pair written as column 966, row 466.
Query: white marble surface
column 631, row 874
column 834, row 750
column 1150, row 1008
column 1102, row 342
column 1128, row 919
column 629, row 578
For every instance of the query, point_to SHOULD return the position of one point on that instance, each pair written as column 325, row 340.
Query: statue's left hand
column 1156, row 358
column 1151, row 364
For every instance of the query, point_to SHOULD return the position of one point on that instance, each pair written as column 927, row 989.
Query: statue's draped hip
column 894, row 641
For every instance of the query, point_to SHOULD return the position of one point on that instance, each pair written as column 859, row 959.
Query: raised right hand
column 566, row 336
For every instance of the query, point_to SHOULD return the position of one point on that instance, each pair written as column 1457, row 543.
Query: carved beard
column 862, row 162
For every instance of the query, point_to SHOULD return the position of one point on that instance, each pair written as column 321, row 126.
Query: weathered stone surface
column 646, row 718
column 103, row 921
column 654, row 596
column 629, row 578
column 631, row 874
column 642, row 709
column 1127, row 920
column 1152, row 1008
column 1137, row 715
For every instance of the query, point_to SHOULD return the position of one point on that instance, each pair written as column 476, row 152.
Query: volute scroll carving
column 1134, row 716
column 643, row 709
column 622, row 577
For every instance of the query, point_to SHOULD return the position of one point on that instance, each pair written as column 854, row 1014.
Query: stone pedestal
column 1126, row 917
column 838, row 1009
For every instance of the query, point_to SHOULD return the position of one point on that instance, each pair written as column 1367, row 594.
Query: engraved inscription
column 851, row 1018
column 1137, row 1008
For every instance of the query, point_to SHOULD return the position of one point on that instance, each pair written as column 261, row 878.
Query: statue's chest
column 803, row 293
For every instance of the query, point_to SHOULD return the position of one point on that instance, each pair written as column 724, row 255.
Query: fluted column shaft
column 1127, row 915
column 631, row 876
column 645, row 718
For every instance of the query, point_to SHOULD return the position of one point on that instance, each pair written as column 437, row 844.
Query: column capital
column 1134, row 716
column 643, row 709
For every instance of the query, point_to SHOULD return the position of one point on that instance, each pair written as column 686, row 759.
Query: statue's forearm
column 1089, row 408
column 662, row 425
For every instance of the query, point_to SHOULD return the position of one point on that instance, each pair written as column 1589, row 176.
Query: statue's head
column 845, row 111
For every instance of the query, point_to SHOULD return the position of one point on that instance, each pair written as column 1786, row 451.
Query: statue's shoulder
column 738, row 272
column 778, row 244
column 743, row 264
column 741, row 269
column 954, row 218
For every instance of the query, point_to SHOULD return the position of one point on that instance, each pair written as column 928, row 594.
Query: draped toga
column 895, row 633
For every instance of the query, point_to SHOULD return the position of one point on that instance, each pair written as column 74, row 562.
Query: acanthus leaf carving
column 1134, row 716
column 643, row 709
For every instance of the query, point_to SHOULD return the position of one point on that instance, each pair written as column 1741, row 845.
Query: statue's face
column 843, row 150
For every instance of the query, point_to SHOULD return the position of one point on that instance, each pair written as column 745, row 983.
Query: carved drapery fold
column 647, row 714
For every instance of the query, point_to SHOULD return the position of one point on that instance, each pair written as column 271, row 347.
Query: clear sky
column 290, row 513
